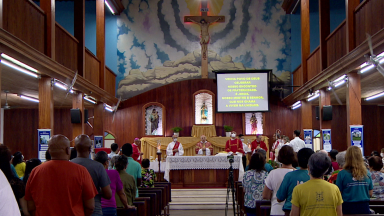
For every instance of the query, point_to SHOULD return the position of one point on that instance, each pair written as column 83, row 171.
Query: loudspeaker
column 317, row 109
column 85, row 116
column 75, row 116
column 327, row 113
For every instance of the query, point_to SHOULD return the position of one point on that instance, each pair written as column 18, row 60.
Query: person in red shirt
column 256, row 144
column 137, row 155
column 234, row 145
column 59, row 187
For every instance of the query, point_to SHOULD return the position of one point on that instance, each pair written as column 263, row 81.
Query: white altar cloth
column 202, row 162
column 155, row 166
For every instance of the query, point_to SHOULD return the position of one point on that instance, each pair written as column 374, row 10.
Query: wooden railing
column 337, row 44
column 313, row 63
column 368, row 16
column 297, row 77
column 25, row 20
column 66, row 48
column 92, row 68
column 110, row 81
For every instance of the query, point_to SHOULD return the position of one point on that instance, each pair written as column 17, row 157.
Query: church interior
column 117, row 70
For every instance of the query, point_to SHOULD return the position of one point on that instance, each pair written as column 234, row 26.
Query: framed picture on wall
column 154, row 119
column 253, row 123
column 204, row 106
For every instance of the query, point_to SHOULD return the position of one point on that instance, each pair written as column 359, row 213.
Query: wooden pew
column 160, row 198
column 166, row 197
column 241, row 201
column 263, row 208
column 141, row 207
column 126, row 212
column 153, row 202
column 147, row 201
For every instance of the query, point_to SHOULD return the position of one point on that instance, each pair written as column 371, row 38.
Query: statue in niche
column 154, row 119
column 253, row 122
column 204, row 113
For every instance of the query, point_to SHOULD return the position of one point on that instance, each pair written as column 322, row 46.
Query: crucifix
column 204, row 21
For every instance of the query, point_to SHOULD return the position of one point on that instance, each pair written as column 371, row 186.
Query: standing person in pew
column 60, row 187
column 317, row 197
column 175, row 148
column 134, row 168
column 355, row 183
column 148, row 176
column 272, row 183
column 294, row 178
column 114, row 153
column 83, row 145
column 7, row 199
column 253, row 183
column 340, row 159
column 375, row 166
column 109, row 205
column 268, row 167
column 129, row 183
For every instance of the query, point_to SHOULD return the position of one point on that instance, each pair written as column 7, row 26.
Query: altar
column 201, row 171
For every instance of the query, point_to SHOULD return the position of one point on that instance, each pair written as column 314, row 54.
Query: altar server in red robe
column 234, row 145
column 175, row 148
column 256, row 144
column 137, row 155
column 204, row 147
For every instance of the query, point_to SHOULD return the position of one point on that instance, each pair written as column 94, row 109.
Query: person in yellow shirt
column 316, row 196
column 18, row 163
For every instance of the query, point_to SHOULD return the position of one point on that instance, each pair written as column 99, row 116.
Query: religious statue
column 253, row 122
column 154, row 119
column 204, row 113
column 204, row 33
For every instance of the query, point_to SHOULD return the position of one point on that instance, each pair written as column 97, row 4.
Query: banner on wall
column 98, row 141
column 43, row 136
column 327, row 144
column 308, row 138
column 357, row 136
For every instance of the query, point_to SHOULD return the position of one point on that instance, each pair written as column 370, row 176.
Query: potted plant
column 228, row 130
column 176, row 130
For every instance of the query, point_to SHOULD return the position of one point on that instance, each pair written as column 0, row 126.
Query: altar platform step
column 196, row 199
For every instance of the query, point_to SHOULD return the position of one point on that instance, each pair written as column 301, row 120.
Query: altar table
column 201, row 171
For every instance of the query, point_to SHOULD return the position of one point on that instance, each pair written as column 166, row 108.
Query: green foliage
column 228, row 128
column 274, row 164
column 177, row 129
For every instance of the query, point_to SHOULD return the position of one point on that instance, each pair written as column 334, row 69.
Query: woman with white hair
column 340, row 159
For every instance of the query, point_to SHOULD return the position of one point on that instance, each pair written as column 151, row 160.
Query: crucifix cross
column 204, row 21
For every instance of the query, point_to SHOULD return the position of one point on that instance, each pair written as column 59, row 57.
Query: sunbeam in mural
column 156, row 47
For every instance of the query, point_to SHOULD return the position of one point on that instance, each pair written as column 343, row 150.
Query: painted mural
column 155, row 46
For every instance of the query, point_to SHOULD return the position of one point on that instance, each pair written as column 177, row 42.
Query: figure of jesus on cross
column 204, row 21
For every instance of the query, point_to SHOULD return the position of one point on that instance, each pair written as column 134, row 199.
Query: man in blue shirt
column 134, row 168
column 294, row 178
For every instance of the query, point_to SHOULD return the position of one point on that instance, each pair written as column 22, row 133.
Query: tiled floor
column 198, row 213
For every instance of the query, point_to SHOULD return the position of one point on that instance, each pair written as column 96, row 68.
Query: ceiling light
column 339, row 83
column 340, row 78
column 370, row 67
column 313, row 97
column 87, row 98
column 29, row 98
column 298, row 102
column 109, row 6
column 375, row 96
column 16, row 67
column 381, row 61
column 62, row 86
column 108, row 108
column 21, row 64
column 297, row 106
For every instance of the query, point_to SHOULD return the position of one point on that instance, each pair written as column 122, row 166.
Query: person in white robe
column 175, row 148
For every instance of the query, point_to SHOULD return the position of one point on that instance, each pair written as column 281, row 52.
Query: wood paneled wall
column 92, row 65
column 368, row 19
column 337, row 44
column 66, row 48
column 297, row 81
column 25, row 20
column 110, row 81
column 313, row 63
column 373, row 121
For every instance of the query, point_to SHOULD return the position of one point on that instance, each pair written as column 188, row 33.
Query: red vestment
column 136, row 153
column 176, row 146
column 234, row 146
column 200, row 145
column 261, row 144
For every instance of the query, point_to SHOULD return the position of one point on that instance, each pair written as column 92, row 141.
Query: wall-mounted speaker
column 75, row 116
column 317, row 109
column 85, row 115
column 327, row 113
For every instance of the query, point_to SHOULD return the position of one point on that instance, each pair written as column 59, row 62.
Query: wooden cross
column 204, row 21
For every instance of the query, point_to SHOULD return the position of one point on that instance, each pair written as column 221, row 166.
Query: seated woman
column 253, row 183
column 354, row 183
column 148, row 176
column 375, row 165
column 129, row 185
column 19, row 164
column 272, row 183
column 109, row 206
column 317, row 197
